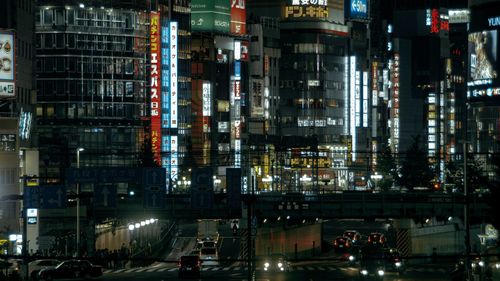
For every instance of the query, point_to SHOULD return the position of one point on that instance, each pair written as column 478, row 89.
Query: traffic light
column 437, row 186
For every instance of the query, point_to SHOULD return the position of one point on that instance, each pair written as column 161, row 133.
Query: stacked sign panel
column 7, row 64
column 156, row 137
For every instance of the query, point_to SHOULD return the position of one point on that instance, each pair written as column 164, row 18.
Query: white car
column 209, row 256
column 35, row 266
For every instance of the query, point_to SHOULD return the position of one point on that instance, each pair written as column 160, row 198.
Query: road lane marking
column 163, row 269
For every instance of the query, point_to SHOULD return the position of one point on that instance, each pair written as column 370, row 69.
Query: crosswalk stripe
column 310, row 268
column 204, row 269
column 142, row 269
column 119, row 270
column 163, row 269
column 332, row 268
column 172, row 269
column 300, row 268
column 321, row 268
column 152, row 269
column 107, row 271
column 215, row 268
column 130, row 270
column 227, row 268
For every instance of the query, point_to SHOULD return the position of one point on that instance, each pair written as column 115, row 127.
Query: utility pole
column 466, row 205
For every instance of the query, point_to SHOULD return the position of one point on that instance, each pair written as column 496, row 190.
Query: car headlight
column 351, row 258
column 497, row 265
column 481, row 263
column 398, row 264
column 364, row 272
column 266, row 264
column 473, row 265
column 280, row 264
column 282, row 268
column 380, row 272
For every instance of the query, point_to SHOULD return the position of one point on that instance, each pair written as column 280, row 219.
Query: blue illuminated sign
column 357, row 9
column 165, row 75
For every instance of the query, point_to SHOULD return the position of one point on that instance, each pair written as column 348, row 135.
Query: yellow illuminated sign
column 306, row 12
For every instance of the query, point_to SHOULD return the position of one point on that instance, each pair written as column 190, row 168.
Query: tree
column 415, row 169
column 386, row 166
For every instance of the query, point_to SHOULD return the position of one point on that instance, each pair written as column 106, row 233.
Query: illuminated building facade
column 18, row 153
column 219, row 84
column 92, row 80
column 483, row 83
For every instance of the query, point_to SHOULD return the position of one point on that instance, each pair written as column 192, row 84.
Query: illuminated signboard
column 207, row 99
column 365, row 99
column 356, row 9
column 155, row 85
column 352, row 98
column 432, row 123
column 495, row 21
column 7, row 66
column 483, row 57
column 358, row 98
column 438, row 21
column 238, row 17
column 8, row 142
column 173, row 75
column 165, row 76
column 256, row 97
column 395, row 102
column 296, row 12
column 211, row 15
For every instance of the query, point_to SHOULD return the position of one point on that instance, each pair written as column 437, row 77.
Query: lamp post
column 78, row 150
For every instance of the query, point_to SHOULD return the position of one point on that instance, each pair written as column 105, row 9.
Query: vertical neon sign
column 155, row 86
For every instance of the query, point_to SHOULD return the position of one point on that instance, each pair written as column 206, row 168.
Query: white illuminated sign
column 32, row 212
column 494, row 21
column 310, row 2
column 173, row 75
column 207, row 99
column 237, row 50
column 352, row 119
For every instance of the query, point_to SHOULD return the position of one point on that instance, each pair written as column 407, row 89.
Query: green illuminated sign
column 210, row 15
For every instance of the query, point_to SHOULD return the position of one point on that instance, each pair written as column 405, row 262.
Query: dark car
column 376, row 238
column 71, row 269
column 275, row 262
column 393, row 261
column 371, row 263
column 342, row 244
column 189, row 266
column 353, row 235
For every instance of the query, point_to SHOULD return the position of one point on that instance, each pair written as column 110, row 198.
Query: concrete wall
column 280, row 240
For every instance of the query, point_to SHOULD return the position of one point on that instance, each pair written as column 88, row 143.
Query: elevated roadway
column 338, row 205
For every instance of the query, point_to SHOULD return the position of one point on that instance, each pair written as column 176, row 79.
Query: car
column 393, row 261
column 376, row 238
column 71, row 269
column 189, row 266
column 35, row 266
column 209, row 244
column 371, row 262
column 342, row 244
column 209, row 256
column 353, row 235
column 275, row 262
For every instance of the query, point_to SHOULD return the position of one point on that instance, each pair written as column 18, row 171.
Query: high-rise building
column 483, row 82
column 18, row 155
column 91, row 78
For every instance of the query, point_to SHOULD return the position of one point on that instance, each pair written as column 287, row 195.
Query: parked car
column 275, row 262
column 35, row 266
column 189, row 266
column 71, row 269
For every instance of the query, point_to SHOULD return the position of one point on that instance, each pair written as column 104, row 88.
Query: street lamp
column 78, row 150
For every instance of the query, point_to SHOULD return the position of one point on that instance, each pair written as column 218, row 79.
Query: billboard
column 238, row 17
column 483, row 55
column 356, row 9
column 155, row 85
column 7, row 64
column 210, row 15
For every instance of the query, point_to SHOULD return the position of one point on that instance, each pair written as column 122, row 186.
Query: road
column 298, row 272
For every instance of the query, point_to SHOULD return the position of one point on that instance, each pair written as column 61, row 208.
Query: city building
column 91, row 64
column 18, row 153
column 483, row 83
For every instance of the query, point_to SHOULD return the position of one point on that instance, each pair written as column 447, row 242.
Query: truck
column 208, row 230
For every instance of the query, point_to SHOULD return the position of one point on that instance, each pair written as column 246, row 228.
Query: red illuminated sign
column 238, row 17
column 155, row 86
column 438, row 23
